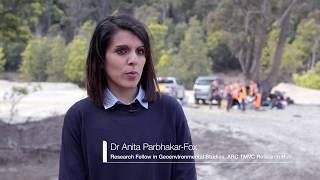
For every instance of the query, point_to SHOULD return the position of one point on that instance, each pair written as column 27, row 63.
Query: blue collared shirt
column 110, row 100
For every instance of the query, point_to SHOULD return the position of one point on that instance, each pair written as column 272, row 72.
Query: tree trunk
column 164, row 10
column 314, row 53
column 241, row 60
column 271, row 80
column 251, row 65
column 246, row 49
column 260, row 43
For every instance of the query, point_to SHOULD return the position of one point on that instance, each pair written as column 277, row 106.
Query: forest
column 269, row 41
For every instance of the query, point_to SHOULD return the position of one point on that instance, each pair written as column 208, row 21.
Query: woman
column 124, row 129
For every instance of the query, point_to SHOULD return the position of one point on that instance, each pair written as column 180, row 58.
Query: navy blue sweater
column 91, row 133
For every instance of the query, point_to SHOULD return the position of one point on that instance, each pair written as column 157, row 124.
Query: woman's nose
column 133, row 58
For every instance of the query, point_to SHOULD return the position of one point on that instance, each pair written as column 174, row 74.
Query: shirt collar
column 110, row 100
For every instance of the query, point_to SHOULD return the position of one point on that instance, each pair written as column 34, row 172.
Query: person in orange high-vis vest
column 235, row 90
column 257, row 101
column 254, row 92
column 242, row 97
column 253, row 88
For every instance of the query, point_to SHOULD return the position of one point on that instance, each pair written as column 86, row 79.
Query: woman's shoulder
column 81, row 105
column 74, row 114
column 169, row 101
column 172, row 107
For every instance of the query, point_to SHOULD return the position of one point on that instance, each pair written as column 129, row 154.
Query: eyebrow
column 126, row 46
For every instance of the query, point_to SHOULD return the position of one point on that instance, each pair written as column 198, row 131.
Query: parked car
column 202, row 89
column 170, row 86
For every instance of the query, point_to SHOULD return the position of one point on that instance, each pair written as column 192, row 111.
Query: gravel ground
column 292, row 132
column 30, row 150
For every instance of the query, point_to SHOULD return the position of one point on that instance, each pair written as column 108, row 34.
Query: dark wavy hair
column 96, row 81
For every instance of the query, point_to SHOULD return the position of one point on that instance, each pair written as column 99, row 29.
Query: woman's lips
column 132, row 75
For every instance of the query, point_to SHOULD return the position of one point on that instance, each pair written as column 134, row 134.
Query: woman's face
column 125, row 59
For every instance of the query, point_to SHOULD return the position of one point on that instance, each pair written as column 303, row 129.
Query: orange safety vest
column 253, row 88
column 236, row 90
column 243, row 94
column 257, row 101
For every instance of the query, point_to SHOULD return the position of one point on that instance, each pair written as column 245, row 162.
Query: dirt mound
column 300, row 95
column 49, row 99
column 30, row 149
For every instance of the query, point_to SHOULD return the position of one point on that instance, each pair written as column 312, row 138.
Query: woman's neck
column 126, row 96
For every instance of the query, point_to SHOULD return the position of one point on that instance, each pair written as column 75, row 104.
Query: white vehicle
column 170, row 86
column 203, row 90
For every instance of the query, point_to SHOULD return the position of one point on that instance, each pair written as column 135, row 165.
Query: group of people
column 238, row 94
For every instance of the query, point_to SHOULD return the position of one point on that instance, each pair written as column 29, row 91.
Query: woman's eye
column 121, row 51
column 141, row 52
